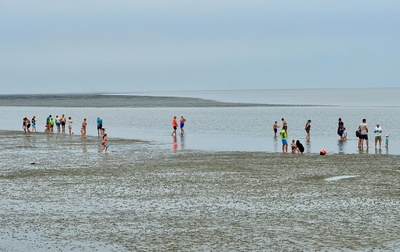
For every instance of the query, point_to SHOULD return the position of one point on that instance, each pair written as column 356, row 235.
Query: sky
column 74, row 46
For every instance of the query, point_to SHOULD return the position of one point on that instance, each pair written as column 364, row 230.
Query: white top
column 378, row 131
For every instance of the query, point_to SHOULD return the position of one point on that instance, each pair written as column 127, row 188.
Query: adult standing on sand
column 83, row 128
column 174, row 126
column 364, row 134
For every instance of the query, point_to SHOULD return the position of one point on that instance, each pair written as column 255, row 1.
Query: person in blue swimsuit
column 182, row 124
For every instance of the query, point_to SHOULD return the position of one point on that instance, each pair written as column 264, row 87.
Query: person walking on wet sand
column 174, row 126
column 364, row 134
column 83, row 128
column 284, row 141
column 104, row 145
column 182, row 124
column 25, row 124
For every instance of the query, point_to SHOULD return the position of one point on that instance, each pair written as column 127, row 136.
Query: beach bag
column 358, row 134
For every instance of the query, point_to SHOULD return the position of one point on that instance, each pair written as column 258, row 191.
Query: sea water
column 241, row 128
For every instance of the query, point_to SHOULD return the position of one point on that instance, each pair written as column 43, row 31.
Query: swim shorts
column 284, row 141
column 182, row 124
column 365, row 137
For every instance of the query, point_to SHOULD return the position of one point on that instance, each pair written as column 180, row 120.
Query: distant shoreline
column 112, row 101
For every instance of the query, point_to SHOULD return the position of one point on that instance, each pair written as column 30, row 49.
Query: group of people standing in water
column 175, row 125
column 296, row 146
column 361, row 133
column 61, row 122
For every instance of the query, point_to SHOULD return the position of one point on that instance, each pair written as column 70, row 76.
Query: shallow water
column 64, row 194
column 226, row 128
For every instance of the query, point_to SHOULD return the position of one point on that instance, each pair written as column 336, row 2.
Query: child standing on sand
column 104, row 145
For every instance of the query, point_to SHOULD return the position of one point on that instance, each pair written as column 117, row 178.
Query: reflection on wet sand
column 135, row 199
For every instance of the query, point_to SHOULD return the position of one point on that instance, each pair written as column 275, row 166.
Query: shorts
column 99, row 126
column 58, row 124
column 378, row 138
column 174, row 127
column 28, row 126
column 62, row 123
column 341, row 132
column 182, row 124
column 275, row 130
column 364, row 137
column 284, row 142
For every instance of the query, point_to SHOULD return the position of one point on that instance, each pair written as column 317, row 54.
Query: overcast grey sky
column 74, row 46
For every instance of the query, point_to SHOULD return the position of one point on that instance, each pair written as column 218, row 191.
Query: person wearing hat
column 378, row 135
column 307, row 129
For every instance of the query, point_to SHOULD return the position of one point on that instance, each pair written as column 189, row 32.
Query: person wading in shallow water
column 174, row 126
column 83, row 129
column 284, row 141
column 307, row 129
column 340, row 129
column 364, row 134
column 182, row 124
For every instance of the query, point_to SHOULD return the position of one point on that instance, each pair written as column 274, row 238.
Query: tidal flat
column 61, row 192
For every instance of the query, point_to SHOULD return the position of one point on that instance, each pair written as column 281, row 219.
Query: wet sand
column 59, row 192
column 119, row 101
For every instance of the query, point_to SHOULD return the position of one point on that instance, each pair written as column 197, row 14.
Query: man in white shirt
column 378, row 135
